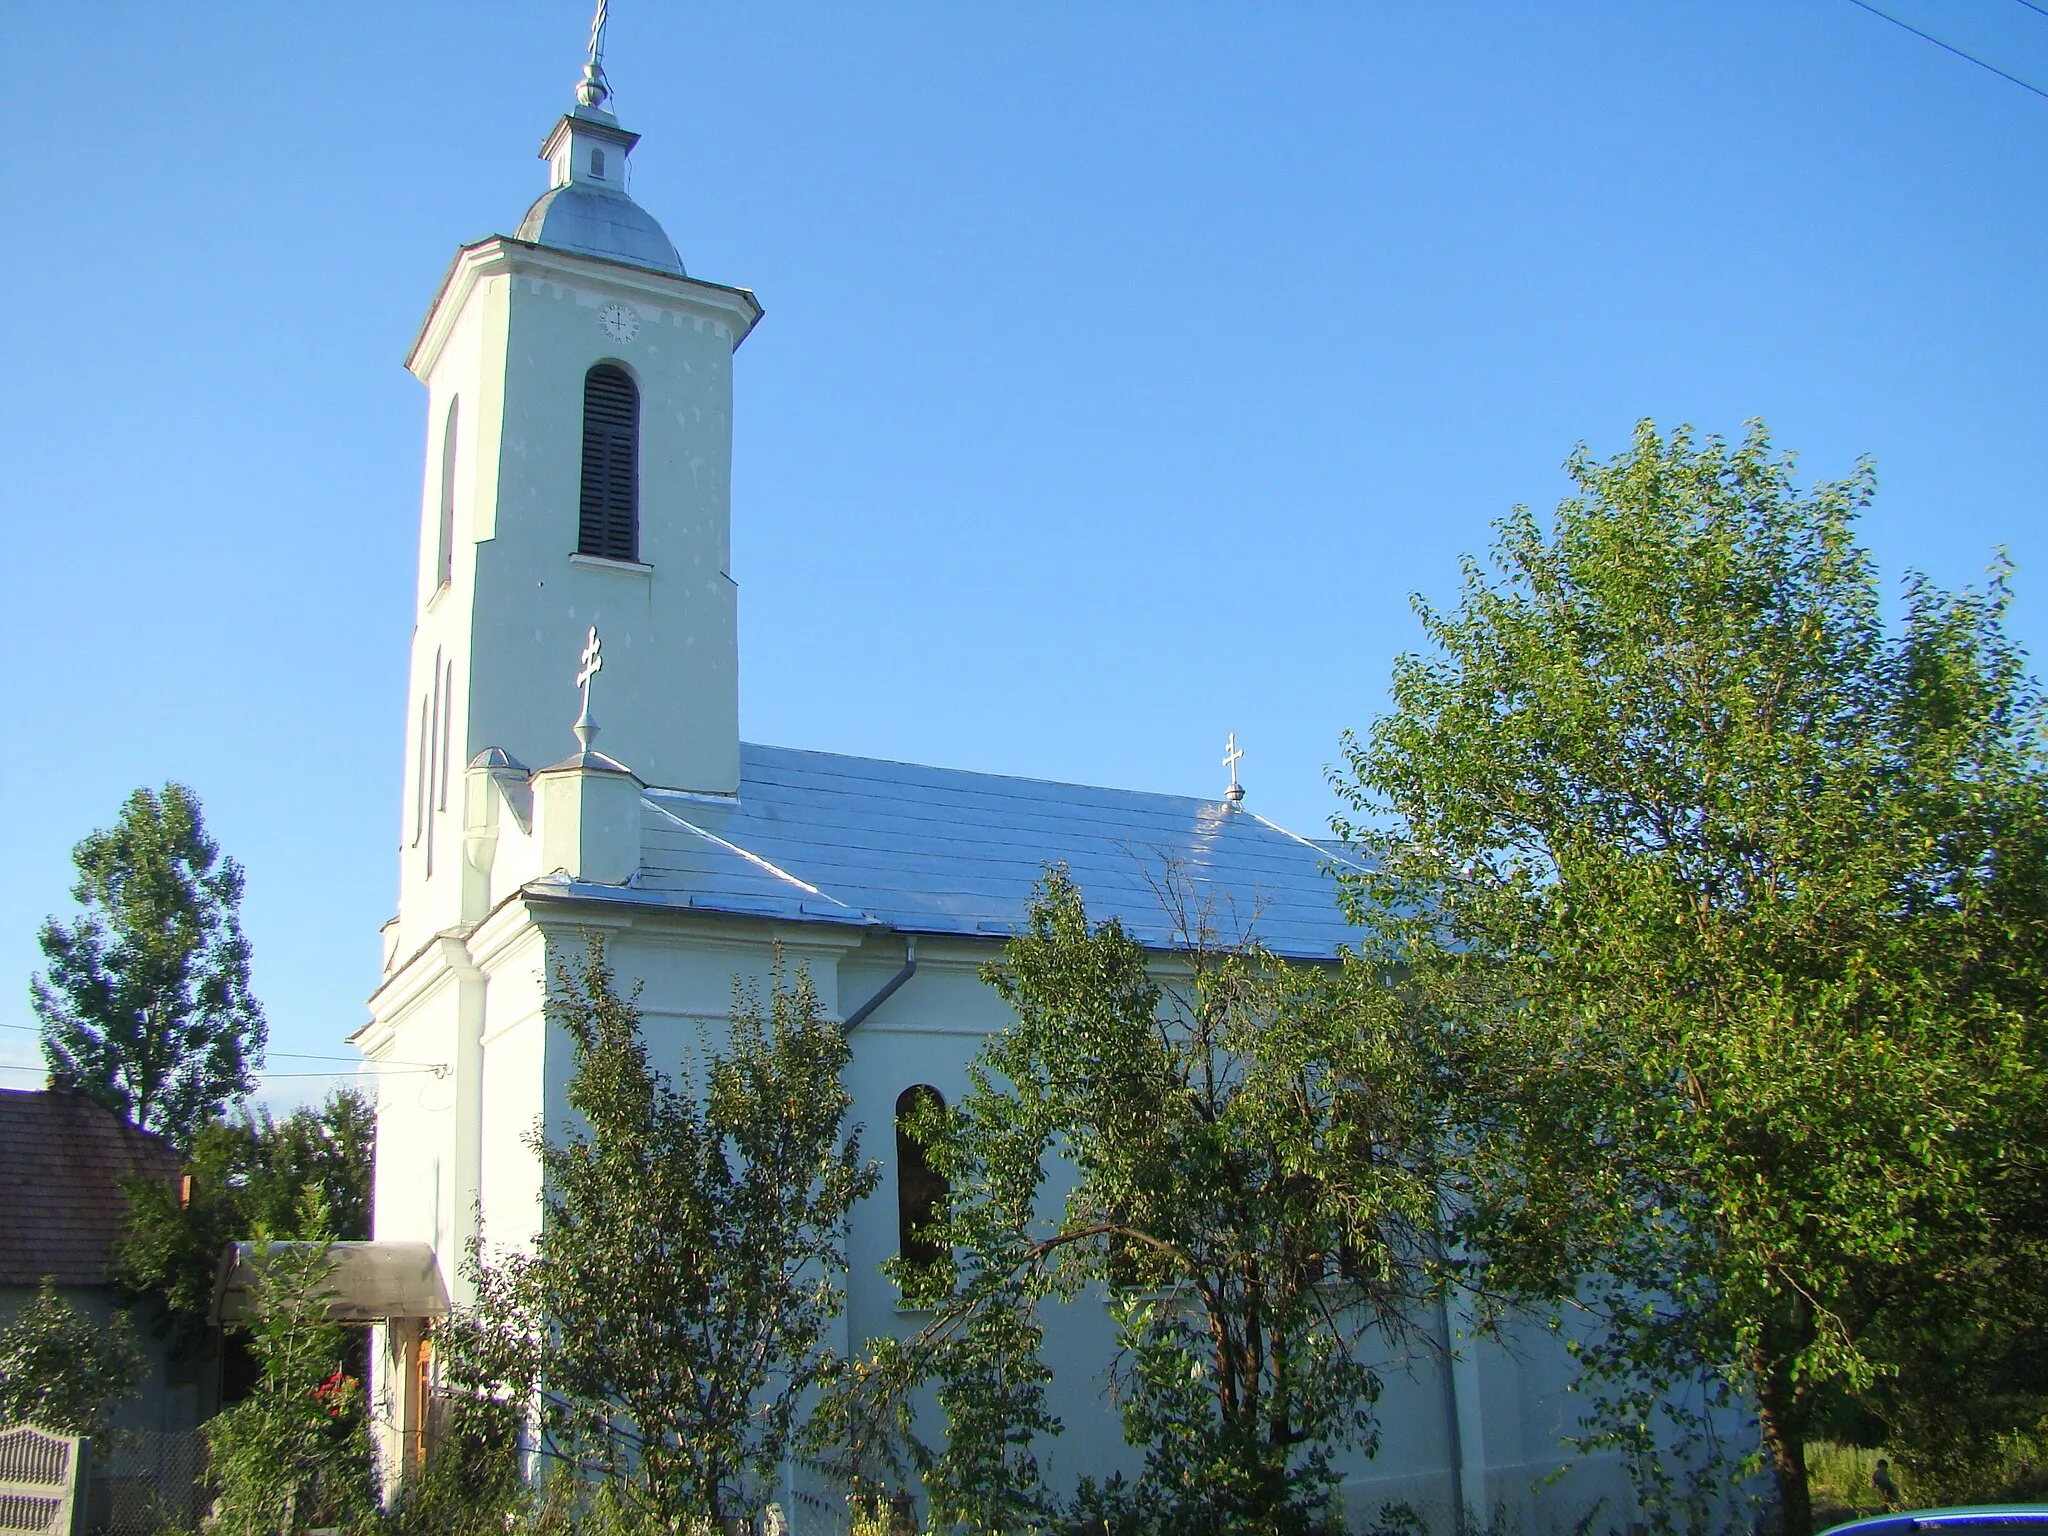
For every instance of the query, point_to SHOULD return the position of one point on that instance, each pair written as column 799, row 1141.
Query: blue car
column 1966, row 1520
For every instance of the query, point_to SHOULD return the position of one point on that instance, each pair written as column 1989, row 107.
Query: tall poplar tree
column 145, row 1003
column 1733, row 897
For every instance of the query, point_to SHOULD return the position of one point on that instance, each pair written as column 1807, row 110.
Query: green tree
column 673, row 1315
column 1250, row 1152
column 1730, row 902
column 145, row 1004
column 293, row 1455
column 247, row 1178
column 61, row 1370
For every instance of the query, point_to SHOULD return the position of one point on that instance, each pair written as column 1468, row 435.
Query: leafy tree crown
column 145, row 1001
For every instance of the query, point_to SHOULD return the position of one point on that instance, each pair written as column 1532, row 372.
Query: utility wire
column 271, row 1077
column 2038, row 10
column 1864, row 5
column 8, row 1066
column 359, row 1061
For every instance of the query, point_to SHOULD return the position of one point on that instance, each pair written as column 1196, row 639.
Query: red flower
column 332, row 1392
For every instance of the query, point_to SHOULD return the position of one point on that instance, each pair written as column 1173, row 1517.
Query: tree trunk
column 1786, row 1448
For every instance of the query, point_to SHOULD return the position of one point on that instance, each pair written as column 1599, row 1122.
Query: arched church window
column 922, row 1192
column 597, row 164
column 609, row 519
column 444, row 561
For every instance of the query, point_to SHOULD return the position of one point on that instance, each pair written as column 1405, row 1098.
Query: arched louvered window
column 922, row 1193
column 609, row 520
column 444, row 562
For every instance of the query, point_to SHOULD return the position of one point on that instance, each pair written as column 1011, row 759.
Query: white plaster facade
column 1482, row 1429
column 503, row 870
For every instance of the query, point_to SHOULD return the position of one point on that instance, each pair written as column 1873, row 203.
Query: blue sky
column 1125, row 366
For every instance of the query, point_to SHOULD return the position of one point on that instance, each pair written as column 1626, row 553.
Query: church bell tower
column 578, row 476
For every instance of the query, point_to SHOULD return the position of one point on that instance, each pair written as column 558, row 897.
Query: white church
column 579, row 396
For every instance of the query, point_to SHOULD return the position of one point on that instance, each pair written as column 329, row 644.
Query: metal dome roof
column 597, row 221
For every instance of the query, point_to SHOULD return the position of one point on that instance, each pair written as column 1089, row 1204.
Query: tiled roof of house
column 821, row 837
column 62, row 1159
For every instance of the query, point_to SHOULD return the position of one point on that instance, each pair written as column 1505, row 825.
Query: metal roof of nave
column 822, row 837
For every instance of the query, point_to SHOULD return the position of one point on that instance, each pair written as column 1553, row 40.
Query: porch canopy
column 370, row 1282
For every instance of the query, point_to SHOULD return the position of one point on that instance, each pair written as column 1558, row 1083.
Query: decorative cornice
column 445, row 954
column 659, row 923
column 501, row 933
column 596, row 127
column 500, row 255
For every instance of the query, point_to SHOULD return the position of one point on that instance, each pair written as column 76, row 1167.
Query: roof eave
column 737, row 308
column 569, row 122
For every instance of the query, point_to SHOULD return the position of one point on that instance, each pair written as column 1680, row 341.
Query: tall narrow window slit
column 444, row 560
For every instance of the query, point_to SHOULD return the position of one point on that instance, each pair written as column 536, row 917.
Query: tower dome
column 585, row 208
column 599, row 221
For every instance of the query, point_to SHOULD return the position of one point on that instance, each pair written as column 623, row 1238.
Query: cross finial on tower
column 1232, row 756
column 593, row 663
column 593, row 89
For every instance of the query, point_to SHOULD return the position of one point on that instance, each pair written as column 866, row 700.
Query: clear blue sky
column 1124, row 369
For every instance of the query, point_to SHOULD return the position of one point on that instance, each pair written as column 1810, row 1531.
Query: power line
column 1865, row 5
column 358, row 1061
column 271, row 1077
column 266, row 1077
column 2038, row 10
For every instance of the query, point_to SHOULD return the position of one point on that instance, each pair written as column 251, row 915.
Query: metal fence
column 143, row 1481
column 130, row 1482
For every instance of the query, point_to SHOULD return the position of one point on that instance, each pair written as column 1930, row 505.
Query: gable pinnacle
column 593, row 89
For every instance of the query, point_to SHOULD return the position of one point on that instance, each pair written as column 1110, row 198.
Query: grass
column 1839, row 1477
column 2004, row 1468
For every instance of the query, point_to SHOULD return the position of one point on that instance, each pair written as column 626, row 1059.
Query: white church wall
column 436, row 733
column 518, row 1085
column 1414, row 1462
column 460, row 378
column 928, row 1033
column 415, row 1025
column 1523, row 1390
column 509, row 342
column 1519, row 1407
column 925, row 1034
column 415, row 1030
column 501, row 839
column 1487, row 1429
column 527, row 1061
column 668, row 701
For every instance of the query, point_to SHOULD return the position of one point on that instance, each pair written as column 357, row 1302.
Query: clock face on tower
column 618, row 322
